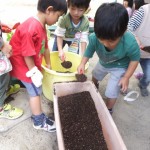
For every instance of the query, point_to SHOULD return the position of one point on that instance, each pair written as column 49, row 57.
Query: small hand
column 81, row 69
column 7, row 50
column 124, row 82
column 62, row 55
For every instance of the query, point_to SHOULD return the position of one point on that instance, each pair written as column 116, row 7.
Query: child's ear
column 49, row 9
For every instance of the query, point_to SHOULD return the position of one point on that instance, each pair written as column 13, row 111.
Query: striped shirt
column 136, row 20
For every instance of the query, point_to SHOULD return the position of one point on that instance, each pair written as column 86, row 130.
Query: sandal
column 13, row 89
column 10, row 112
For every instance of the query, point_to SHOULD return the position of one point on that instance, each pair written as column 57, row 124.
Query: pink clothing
column 129, row 10
column 30, row 39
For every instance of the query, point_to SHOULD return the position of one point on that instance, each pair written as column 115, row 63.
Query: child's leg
column 113, row 89
column 6, row 110
column 35, row 104
column 40, row 121
column 4, row 82
column 98, row 74
column 95, row 81
column 145, row 80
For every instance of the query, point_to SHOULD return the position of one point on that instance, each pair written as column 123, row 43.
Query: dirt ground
column 131, row 118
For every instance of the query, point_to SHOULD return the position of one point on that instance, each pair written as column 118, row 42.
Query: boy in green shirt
column 73, row 28
column 118, row 51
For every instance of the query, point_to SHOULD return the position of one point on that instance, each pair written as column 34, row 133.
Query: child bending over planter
column 117, row 49
column 72, row 29
column 29, row 44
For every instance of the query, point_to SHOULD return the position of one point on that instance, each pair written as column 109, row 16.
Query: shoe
column 48, row 125
column 144, row 91
column 138, row 75
column 13, row 89
column 10, row 112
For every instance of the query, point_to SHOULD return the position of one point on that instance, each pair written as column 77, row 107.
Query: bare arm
column 60, row 49
column 59, row 43
column 29, row 62
column 47, row 58
column 129, row 72
column 83, row 47
column 81, row 67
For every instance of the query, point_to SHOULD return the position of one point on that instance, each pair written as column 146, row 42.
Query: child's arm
column 47, row 58
column 81, row 67
column 60, row 49
column 33, row 73
column 125, row 79
column 83, row 47
column 6, row 49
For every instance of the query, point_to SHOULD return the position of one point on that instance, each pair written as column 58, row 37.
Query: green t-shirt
column 126, row 50
column 66, row 23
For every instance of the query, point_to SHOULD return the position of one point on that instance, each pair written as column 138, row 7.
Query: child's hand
column 7, row 50
column 62, row 55
column 48, row 66
column 124, row 82
column 81, row 69
column 36, row 76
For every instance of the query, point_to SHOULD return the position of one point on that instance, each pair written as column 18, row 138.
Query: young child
column 6, row 110
column 29, row 44
column 139, row 25
column 128, row 5
column 117, row 50
column 73, row 28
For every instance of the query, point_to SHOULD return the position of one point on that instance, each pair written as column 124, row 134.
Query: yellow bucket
column 59, row 73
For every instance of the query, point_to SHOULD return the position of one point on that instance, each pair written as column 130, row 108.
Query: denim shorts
column 32, row 89
column 112, row 88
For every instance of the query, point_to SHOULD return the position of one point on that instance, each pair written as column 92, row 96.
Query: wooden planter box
column 110, row 131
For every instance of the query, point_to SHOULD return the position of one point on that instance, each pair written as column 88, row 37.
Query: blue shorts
column 112, row 89
column 32, row 89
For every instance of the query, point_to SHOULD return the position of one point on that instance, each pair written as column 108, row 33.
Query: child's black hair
column 58, row 5
column 111, row 21
column 79, row 3
column 138, row 3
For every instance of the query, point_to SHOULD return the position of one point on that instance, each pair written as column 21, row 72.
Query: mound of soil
column 81, row 77
column 66, row 64
column 81, row 126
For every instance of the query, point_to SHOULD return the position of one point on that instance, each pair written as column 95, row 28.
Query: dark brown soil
column 81, row 126
column 66, row 64
column 81, row 77
column 146, row 49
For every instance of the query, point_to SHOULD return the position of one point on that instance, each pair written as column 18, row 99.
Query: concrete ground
column 131, row 118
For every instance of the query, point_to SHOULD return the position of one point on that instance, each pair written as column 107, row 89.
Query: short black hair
column 79, row 3
column 138, row 3
column 58, row 5
column 110, row 21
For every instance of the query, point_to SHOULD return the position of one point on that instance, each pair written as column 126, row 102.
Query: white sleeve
column 84, row 37
column 60, row 31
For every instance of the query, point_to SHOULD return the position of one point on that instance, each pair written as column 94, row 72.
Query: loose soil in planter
column 81, row 126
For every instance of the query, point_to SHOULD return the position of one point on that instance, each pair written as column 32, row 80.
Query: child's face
column 110, row 44
column 125, row 4
column 53, row 17
column 76, row 12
